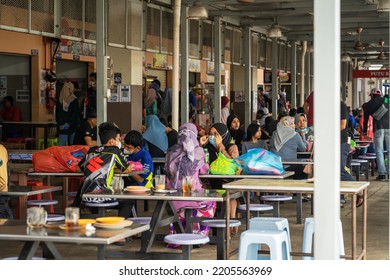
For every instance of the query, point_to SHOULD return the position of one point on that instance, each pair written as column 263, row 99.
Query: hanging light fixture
column 274, row 31
column 197, row 11
column 345, row 57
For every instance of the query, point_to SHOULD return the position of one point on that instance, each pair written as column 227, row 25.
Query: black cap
column 91, row 114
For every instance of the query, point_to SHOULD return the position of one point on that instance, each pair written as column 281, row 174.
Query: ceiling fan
column 381, row 55
column 359, row 46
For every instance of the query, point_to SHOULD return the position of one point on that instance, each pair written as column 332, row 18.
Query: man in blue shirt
column 135, row 152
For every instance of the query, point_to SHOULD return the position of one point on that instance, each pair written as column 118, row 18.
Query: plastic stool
column 276, row 199
column 270, row 223
column 256, row 208
column 101, row 206
column 55, row 218
column 50, row 142
column 308, row 232
column 371, row 160
column 357, row 171
column 186, row 240
column 220, row 225
column 276, row 240
column 43, row 202
column 366, row 166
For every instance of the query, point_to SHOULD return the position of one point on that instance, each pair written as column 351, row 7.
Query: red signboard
column 370, row 74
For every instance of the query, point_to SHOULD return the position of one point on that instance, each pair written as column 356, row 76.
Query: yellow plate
column 110, row 220
column 83, row 222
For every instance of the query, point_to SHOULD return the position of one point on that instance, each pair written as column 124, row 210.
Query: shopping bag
column 223, row 166
column 259, row 161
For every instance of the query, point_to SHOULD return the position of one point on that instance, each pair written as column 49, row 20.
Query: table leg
column 299, row 208
column 65, row 189
column 188, row 215
column 45, row 136
column 364, row 224
column 248, row 212
column 353, row 201
column 28, row 250
column 50, row 251
column 101, row 255
column 22, row 207
column 227, row 228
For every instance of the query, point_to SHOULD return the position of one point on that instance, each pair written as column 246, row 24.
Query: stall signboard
column 370, row 74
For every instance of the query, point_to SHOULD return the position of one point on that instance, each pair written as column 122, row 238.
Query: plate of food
column 137, row 189
column 120, row 225
column 109, row 220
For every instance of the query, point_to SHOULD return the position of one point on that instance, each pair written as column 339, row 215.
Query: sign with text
column 370, row 73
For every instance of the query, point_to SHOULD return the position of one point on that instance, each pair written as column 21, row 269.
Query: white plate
column 123, row 224
column 136, row 190
column 164, row 191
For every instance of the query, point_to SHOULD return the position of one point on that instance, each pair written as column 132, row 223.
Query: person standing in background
column 378, row 108
column 13, row 114
column 67, row 115
column 308, row 108
column 90, row 97
column 225, row 112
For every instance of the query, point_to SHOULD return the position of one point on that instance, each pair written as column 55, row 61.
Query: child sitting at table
column 134, row 151
column 99, row 165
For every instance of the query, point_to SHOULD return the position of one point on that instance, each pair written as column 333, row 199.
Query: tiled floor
column 377, row 232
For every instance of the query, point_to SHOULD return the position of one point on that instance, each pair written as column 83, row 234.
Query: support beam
column 217, row 68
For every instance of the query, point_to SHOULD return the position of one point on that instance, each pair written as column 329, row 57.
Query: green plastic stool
column 50, row 142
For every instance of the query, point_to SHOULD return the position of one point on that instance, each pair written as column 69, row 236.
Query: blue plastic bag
column 259, row 161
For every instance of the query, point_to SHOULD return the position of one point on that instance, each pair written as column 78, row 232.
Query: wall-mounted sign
column 22, row 95
column 370, row 74
column 34, row 52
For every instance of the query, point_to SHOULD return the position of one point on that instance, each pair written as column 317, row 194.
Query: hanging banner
column 370, row 73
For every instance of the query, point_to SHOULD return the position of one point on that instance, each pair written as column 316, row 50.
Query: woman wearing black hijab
column 237, row 134
column 219, row 140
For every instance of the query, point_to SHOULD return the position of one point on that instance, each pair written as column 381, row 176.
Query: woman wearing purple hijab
column 187, row 158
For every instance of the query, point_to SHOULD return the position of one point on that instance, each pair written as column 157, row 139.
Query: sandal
column 359, row 201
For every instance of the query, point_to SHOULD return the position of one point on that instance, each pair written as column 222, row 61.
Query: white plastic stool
column 270, row 223
column 220, row 225
column 17, row 258
column 371, row 160
column 257, row 208
column 43, row 202
column 308, row 232
column 366, row 166
column 276, row 199
column 276, row 240
column 101, row 206
column 186, row 240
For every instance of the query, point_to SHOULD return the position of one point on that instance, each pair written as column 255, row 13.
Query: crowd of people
column 292, row 131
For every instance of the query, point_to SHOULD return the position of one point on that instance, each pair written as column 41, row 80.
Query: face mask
column 212, row 140
column 128, row 152
column 118, row 144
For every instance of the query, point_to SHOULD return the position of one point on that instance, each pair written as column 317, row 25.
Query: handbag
column 223, row 166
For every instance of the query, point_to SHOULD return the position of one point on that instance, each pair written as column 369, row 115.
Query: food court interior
column 239, row 49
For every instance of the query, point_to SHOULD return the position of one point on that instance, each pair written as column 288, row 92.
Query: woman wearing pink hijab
column 187, row 158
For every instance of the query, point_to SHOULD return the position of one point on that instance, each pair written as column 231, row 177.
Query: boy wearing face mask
column 99, row 166
column 135, row 151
